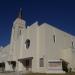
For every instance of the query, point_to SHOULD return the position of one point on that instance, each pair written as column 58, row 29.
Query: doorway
column 13, row 63
column 64, row 65
column 27, row 63
column 2, row 67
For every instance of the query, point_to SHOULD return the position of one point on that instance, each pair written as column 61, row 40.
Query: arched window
column 54, row 39
column 72, row 44
column 27, row 43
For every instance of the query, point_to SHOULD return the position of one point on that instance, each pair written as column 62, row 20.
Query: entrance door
column 13, row 63
column 65, row 66
column 2, row 67
column 28, row 64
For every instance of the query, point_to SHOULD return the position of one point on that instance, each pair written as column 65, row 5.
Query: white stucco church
column 38, row 48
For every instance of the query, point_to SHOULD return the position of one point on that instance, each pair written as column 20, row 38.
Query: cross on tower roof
column 20, row 13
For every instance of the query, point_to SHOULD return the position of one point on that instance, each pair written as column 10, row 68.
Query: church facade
column 38, row 48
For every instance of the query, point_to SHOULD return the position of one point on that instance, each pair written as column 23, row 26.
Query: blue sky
column 59, row 13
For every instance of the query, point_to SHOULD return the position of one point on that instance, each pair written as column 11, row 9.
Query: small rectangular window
column 41, row 62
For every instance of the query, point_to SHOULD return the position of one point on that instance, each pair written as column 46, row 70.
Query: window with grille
column 41, row 62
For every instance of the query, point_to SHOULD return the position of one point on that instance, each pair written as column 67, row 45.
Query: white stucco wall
column 4, row 53
column 42, row 45
column 49, row 50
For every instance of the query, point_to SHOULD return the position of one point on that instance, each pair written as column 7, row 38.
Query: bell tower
column 18, row 26
column 17, row 35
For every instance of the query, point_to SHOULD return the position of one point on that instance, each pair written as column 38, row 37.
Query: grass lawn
column 48, row 74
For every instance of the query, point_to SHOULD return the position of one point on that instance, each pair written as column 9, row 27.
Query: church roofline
column 46, row 24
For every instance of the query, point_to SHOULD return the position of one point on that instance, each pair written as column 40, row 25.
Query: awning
column 64, row 61
column 23, row 59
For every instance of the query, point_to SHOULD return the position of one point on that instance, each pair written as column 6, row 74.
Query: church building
column 38, row 48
